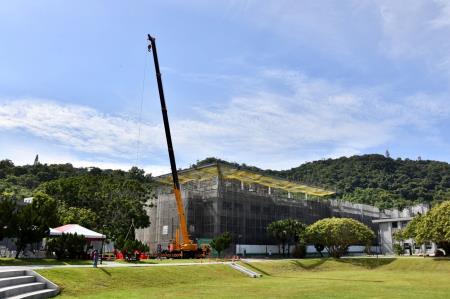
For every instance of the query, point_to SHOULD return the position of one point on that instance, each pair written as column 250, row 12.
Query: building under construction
column 220, row 198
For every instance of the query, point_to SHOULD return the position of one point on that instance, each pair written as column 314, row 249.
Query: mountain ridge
column 372, row 178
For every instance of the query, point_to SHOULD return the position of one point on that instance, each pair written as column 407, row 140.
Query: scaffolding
column 227, row 172
column 219, row 198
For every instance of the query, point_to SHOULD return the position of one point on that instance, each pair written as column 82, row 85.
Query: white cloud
column 416, row 30
column 312, row 118
column 80, row 128
column 443, row 17
column 354, row 32
column 304, row 120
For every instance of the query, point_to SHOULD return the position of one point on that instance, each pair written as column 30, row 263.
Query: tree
column 67, row 246
column 319, row 248
column 131, row 249
column 412, row 230
column 438, row 220
column 115, row 198
column 221, row 242
column 33, row 221
column 287, row 232
column 337, row 234
column 377, row 197
column 81, row 216
column 8, row 209
column 434, row 226
column 279, row 232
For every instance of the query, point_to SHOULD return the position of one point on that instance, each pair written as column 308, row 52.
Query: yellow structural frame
column 246, row 176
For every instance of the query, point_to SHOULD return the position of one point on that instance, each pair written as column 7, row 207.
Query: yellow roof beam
column 208, row 172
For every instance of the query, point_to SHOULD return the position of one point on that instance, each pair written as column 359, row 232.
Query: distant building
column 397, row 221
column 219, row 198
column 28, row 200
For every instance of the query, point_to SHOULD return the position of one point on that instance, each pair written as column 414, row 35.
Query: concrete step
column 41, row 294
column 14, row 280
column 11, row 273
column 244, row 270
column 15, row 290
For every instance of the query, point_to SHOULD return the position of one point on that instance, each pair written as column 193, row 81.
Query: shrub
column 221, row 242
column 337, row 234
column 398, row 249
column 130, row 247
column 67, row 246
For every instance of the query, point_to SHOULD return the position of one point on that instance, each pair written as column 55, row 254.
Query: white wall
column 264, row 249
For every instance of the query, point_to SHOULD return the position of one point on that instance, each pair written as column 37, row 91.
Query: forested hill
column 372, row 179
column 108, row 201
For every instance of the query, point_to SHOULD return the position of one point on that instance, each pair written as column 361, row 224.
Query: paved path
column 108, row 265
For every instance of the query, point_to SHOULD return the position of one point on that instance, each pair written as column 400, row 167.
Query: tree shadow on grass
column 105, row 271
column 309, row 266
column 139, row 262
column 343, row 279
column 441, row 259
column 256, row 268
column 368, row 263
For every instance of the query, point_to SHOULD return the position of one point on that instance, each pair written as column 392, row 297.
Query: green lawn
column 311, row 278
column 172, row 261
column 43, row 262
column 39, row 262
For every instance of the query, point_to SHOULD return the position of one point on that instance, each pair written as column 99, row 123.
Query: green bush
column 433, row 226
column 71, row 246
column 221, row 242
column 337, row 234
column 398, row 249
column 129, row 247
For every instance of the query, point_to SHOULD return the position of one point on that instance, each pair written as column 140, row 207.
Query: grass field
column 29, row 262
column 172, row 261
column 311, row 278
column 46, row 262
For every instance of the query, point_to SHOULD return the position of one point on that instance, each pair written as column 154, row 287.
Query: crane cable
column 129, row 229
column 138, row 145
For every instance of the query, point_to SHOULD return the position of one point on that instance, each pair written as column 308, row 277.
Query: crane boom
column 186, row 243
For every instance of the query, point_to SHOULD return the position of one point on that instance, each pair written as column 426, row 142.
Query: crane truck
column 183, row 247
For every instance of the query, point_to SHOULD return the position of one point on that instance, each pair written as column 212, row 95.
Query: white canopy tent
column 76, row 229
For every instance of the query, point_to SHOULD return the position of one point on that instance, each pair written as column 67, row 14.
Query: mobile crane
column 184, row 248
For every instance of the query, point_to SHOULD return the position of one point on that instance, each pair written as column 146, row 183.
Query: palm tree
column 286, row 232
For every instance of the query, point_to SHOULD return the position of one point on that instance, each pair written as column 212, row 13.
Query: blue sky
column 268, row 83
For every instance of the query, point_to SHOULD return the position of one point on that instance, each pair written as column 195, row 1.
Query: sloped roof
column 76, row 229
column 246, row 176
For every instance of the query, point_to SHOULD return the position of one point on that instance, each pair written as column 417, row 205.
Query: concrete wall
column 385, row 236
column 387, row 241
